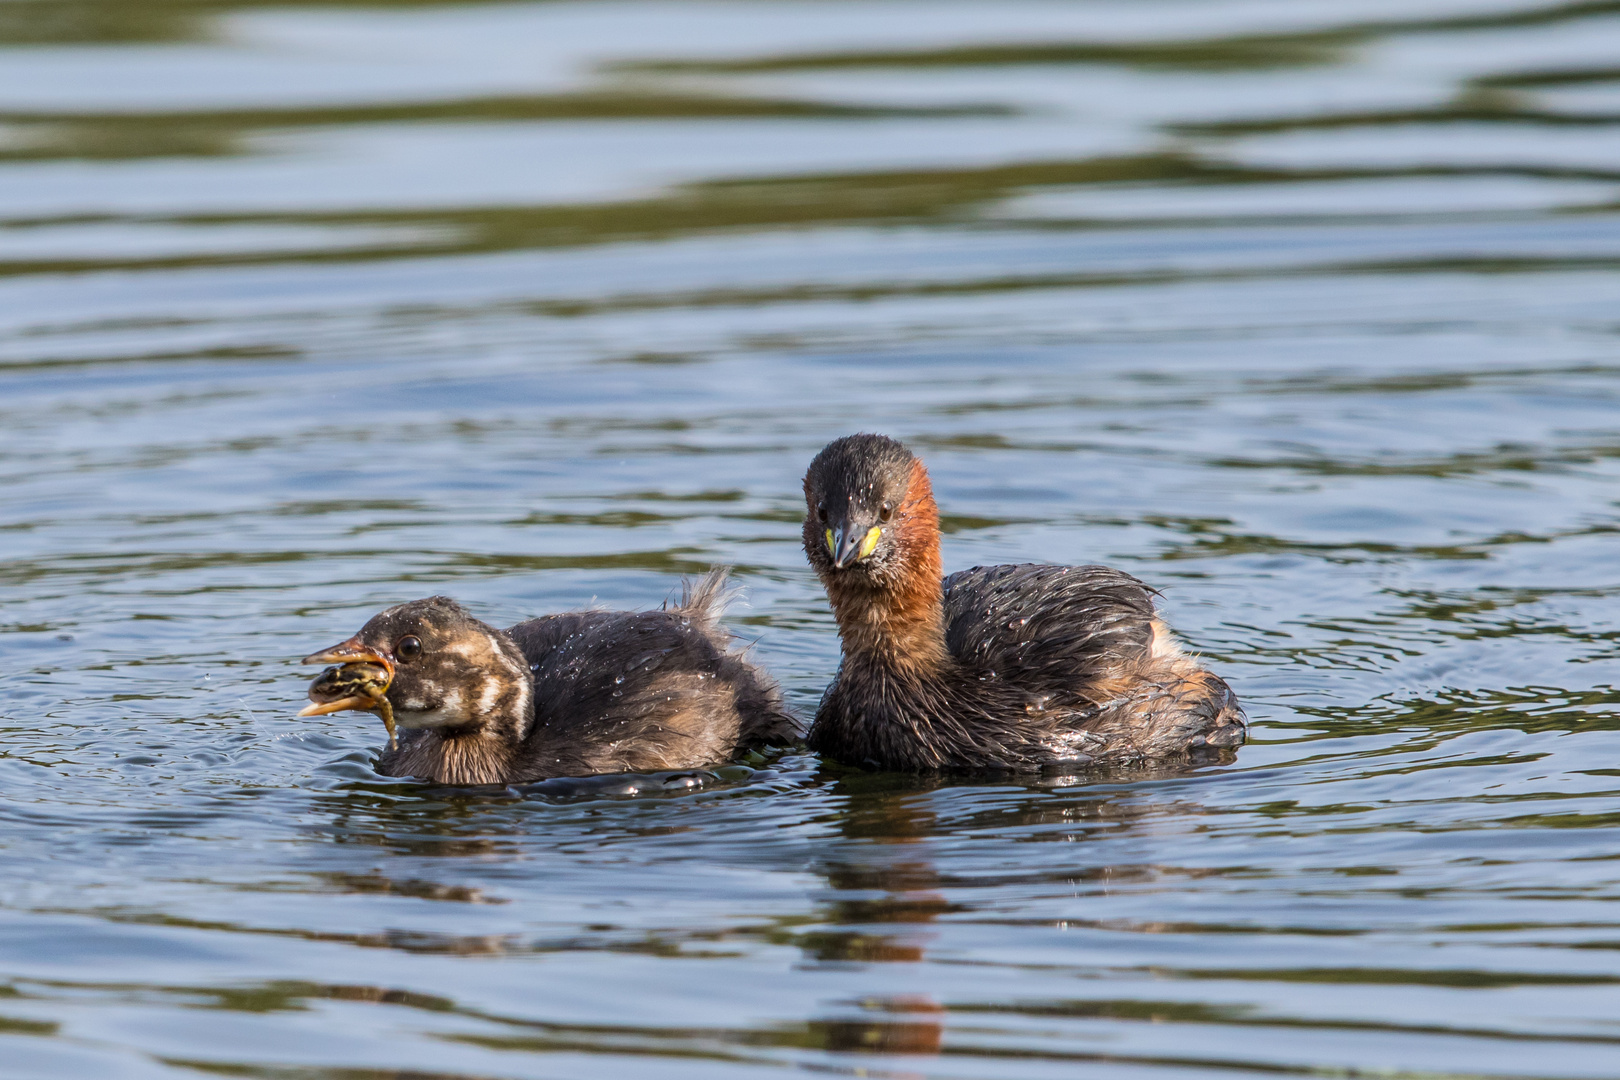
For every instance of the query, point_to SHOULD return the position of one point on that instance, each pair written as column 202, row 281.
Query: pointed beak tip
column 350, row 652
column 849, row 546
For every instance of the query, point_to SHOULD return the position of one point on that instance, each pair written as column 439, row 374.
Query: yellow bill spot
column 832, row 548
column 868, row 543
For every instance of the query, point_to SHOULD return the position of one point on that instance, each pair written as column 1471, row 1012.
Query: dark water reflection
column 1309, row 316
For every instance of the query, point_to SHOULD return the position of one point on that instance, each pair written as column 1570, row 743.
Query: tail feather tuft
column 706, row 599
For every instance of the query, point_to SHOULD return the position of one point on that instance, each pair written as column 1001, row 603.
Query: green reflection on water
column 25, row 22
column 63, row 22
column 913, row 196
column 51, row 136
column 1235, row 52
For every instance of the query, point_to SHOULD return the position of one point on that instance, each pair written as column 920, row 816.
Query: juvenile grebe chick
column 565, row 695
column 1008, row 667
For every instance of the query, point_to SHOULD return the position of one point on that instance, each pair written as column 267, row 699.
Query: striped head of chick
column 445, row 670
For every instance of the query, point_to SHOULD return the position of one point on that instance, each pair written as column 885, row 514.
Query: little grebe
column 994, row 667
column 565, row 695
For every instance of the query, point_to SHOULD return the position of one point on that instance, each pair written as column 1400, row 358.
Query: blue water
column 1307, row 315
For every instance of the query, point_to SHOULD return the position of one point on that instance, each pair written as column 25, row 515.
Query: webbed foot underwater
column 564, row 695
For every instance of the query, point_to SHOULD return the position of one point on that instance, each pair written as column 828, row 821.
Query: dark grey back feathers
column 612, row 691
column 1046, row 625
column 1048, row 664
column 618, row 691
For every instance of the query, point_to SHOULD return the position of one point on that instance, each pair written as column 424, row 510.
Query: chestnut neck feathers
column 900, row 621
column 888, row 603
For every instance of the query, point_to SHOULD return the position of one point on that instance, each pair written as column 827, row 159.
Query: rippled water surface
column 1308, row 314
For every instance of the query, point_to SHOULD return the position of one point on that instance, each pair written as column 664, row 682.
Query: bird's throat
column 899, row 624
column 457, row 757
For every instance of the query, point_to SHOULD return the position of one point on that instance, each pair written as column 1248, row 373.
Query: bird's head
column 431, row 665
column 869, row 512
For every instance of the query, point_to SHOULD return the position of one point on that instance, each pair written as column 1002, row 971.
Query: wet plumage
column 564, row 695
column 994, row 667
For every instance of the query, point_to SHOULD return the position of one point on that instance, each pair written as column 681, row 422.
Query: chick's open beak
column 370, row 690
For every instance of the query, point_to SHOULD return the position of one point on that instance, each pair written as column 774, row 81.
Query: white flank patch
column 1164, row 643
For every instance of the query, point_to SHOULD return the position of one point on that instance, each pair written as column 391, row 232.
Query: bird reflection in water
column 887, row 891
column 883, row 878
column 905, row 1024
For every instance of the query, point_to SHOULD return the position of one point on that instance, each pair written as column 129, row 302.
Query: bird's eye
column 821, row 511
column 408, row 648
column 885, row 512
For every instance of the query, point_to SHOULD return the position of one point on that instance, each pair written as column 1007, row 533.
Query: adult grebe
column 1007, row 667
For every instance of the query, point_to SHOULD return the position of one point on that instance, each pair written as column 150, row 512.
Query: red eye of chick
column 885, row 512
column 408, row 648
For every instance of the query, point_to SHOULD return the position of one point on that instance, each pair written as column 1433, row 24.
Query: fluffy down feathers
column 617, row 691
